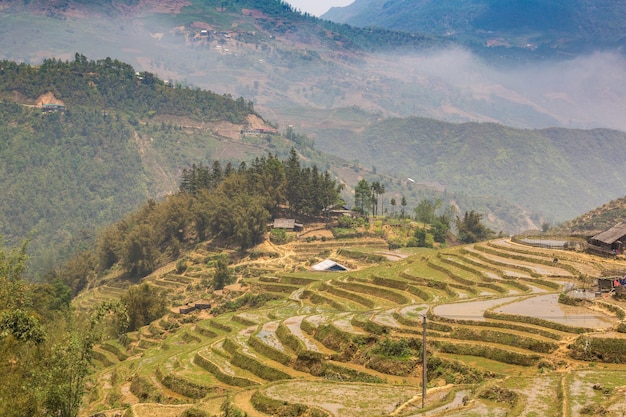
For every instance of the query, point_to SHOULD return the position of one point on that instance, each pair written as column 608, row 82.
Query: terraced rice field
column 350, row 343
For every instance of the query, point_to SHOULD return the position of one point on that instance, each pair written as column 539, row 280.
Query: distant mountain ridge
column 292, row 65
column 561, row 26
column 557, row 172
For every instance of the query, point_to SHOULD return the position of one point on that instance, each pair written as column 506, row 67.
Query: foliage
column 222, row 274
column 44, row 355
column 79, row 169
column 600, row 349
column 392, row 348
column 565, row 299
column 278, row 236
column 194, row 412
column 423, row 239
column 471, row 229
column 362, row 197
column 247, row 300
column 144, row 304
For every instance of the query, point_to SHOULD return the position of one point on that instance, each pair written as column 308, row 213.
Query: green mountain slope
column 85, row 142
column 596, row 220
column 559, row 172
column 119, row 139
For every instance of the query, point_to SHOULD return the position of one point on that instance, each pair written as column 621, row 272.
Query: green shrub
column 181, row 266
column 392, row 348
column 230, row 410
column 599, row 349
column 278, row 236
column 194, row 412
column 497, row 354
column 500, row 395
column 204, row 363
column 570, row 301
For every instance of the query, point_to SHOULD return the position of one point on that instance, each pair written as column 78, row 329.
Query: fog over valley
column 449, row 84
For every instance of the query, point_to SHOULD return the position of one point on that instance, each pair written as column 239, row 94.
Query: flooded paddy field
column 547, row 307
column 472, row 310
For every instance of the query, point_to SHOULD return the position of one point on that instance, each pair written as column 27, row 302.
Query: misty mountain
column 542, row 28
column 296, row 68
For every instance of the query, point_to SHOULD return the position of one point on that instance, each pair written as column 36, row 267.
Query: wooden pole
column 424, row 365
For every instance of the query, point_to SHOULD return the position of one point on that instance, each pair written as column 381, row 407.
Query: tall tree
column 425, row 210
column 144, row 303
column 471, row 229
column 362, row 196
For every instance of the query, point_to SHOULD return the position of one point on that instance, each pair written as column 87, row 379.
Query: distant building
column 53, row 107
column 199, row 305
column 339, row 210
column 329, row 265
column 610, row 241
column 287, row 224
column 49, row 103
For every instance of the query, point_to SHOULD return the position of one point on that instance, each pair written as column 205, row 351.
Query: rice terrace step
column 324, row 342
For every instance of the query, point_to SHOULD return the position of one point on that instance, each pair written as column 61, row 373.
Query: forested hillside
column 558, row 172
column 118, row 139
column 85, row 142
column 222, row 204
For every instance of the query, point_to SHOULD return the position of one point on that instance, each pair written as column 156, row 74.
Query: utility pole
column 424, row 365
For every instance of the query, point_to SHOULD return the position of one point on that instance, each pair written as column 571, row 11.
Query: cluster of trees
column 368, row 196
column 436, row 219
column 46, row 350
column 234, row 205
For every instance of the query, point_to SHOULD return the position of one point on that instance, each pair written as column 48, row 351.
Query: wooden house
column 610, row 241
column 289, row 225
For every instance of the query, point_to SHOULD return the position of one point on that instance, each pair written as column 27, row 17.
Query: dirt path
column 243, row 401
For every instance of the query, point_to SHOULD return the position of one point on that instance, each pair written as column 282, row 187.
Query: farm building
column 610, row 241
column 289, row 225
column 329, row 266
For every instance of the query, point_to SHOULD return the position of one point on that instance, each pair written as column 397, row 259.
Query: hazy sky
column 318, row 7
